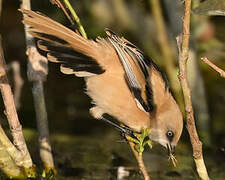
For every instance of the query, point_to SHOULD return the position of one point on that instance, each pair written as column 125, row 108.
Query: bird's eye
column 170, row 135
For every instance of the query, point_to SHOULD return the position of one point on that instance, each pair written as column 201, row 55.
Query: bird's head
column 166, row 127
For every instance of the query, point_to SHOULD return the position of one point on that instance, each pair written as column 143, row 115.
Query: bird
column 121, row 80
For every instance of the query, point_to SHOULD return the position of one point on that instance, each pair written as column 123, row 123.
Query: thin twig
column 140, row 161
column 222, row 72
column 183, row 57
column 76, row 18
column 59, row 4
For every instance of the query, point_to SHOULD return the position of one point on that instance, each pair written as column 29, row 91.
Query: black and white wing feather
column 131, row 59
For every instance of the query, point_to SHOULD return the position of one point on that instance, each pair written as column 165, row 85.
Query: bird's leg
column 141, row 140
column 123, row 130
column 98, row 113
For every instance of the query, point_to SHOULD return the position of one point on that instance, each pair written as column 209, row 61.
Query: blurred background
column 85, row 148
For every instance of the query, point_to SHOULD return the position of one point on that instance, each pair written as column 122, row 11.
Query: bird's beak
column 170, row 149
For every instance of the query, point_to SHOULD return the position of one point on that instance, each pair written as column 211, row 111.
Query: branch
column 183, row 57
column 10, row 110
column 37, row 70
column 15, row 160
column 222, row 72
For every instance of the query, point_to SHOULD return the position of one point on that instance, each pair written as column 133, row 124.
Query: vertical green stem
column 76, row 18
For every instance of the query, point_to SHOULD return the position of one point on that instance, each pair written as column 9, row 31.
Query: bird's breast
column 110, row 92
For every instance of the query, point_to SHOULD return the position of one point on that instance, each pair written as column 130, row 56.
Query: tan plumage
column 121, row 81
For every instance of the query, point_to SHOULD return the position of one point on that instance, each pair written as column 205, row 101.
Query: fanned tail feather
column 76, row 54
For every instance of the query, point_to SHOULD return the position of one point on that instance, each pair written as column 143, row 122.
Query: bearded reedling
column 121, row 80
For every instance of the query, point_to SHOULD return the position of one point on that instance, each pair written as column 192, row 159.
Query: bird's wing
column 72, row 62
column 76, row 54
column 136, row 67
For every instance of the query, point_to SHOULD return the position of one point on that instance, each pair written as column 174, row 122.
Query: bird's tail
column 76, row 54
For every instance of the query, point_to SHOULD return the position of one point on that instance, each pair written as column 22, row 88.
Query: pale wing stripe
column 139, row 60
column 130, row 75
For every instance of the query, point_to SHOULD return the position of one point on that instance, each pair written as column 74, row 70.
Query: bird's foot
column 141, row 140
